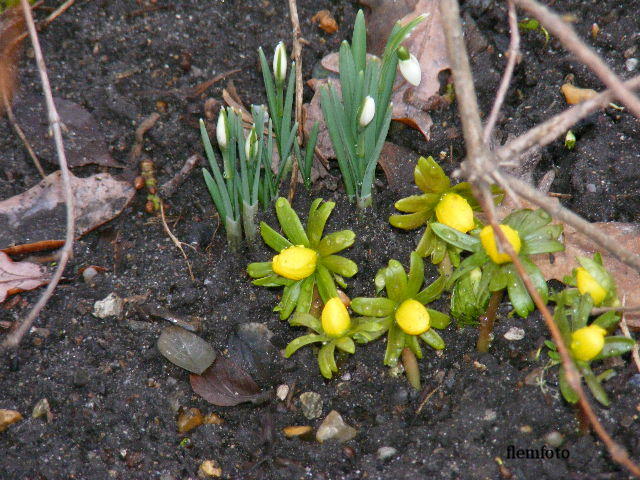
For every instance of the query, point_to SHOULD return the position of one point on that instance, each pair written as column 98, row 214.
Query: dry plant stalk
column 13, row 339
column 297, row 57
column 481, row 168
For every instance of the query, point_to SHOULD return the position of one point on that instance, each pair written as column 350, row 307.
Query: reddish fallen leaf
column 33, row 247
column 19, row 276
column 398, row 164
column 626, row 235
column 226, row 384
column 83, row 142
column 39, row 213
column 11, row 27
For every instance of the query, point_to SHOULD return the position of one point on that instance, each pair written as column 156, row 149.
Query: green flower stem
column 234, row 233
column 487, row 320
column 249, row 221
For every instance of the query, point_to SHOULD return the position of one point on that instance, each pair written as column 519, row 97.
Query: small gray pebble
column 80, row 378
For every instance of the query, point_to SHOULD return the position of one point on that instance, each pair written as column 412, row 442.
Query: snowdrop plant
column 280, row 102
column 245, row 180
column 358, row 118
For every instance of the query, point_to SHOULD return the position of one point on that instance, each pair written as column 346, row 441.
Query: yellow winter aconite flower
column 588, row 284
column 587, row 342
column 335, row 318
column 295, row 262
column 412, row 317
column 489, row 243
column 454, row 211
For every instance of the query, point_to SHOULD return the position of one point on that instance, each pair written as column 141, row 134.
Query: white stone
column 514, row 333
column 111, row 306
column 334, row 428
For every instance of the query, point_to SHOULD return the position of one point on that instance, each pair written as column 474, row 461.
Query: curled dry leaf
column 83, row 142
column 579, row 245
column 226, row 384
column 185, row 349
column 398, row 164
column 574, row 95
column 19, row 276
column 325, row 21
column 39, row 213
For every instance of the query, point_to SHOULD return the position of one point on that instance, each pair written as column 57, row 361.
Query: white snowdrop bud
column 367, row 111
column 409, row 67
column 222, row 131
column 280, row 63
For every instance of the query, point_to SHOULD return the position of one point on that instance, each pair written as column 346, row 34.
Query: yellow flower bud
column 588, row 284
column 454, row 211
column 587, row 342
column 412, row 317
column 335, row 318
column 295, row 263
column 489, row 243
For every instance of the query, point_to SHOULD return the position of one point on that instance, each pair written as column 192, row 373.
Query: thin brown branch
column 512, row 53
column 548, row 131
column 25, row 141
column 169, row 188
column 570, row 40
column 175, row 241
column 297, row 58
column 13, row 340
column 463, row 79
column 55, row 14
column 625, row 331
column 618, row 453
column 553, row 208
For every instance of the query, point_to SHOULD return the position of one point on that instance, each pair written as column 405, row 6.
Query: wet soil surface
column 115, row 398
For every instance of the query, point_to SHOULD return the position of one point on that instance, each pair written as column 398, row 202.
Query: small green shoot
column 533, row 25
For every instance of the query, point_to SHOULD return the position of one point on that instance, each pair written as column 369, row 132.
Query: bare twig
column 548, row 131
column 297, row 57
column 13, row 340
column 513, row 53
column 625, row 331
column 572, row 42
column 478, row 169
column 175, row 241
column 618, row 453
column 146, row 125
column 25, row 141
column 553, row 208
column 55, row 14
column 169, row 188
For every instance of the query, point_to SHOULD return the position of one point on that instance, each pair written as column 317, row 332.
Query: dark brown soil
column 114, row 397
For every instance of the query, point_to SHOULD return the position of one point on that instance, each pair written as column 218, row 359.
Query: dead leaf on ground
column 226, row 384
column 39, row 213
column 11, row 27
column 398, row 164
column 626, row 235
column 17, row 277
column 83, row 142
column 325, row 21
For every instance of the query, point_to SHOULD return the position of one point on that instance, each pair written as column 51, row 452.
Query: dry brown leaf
column 17, row 277
column 325, row 21
column 574, row 95
column 398, row 164
column 427, row 43
column 578, row 245
column 11, row 27
column 84, row 144
column 39, row 213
